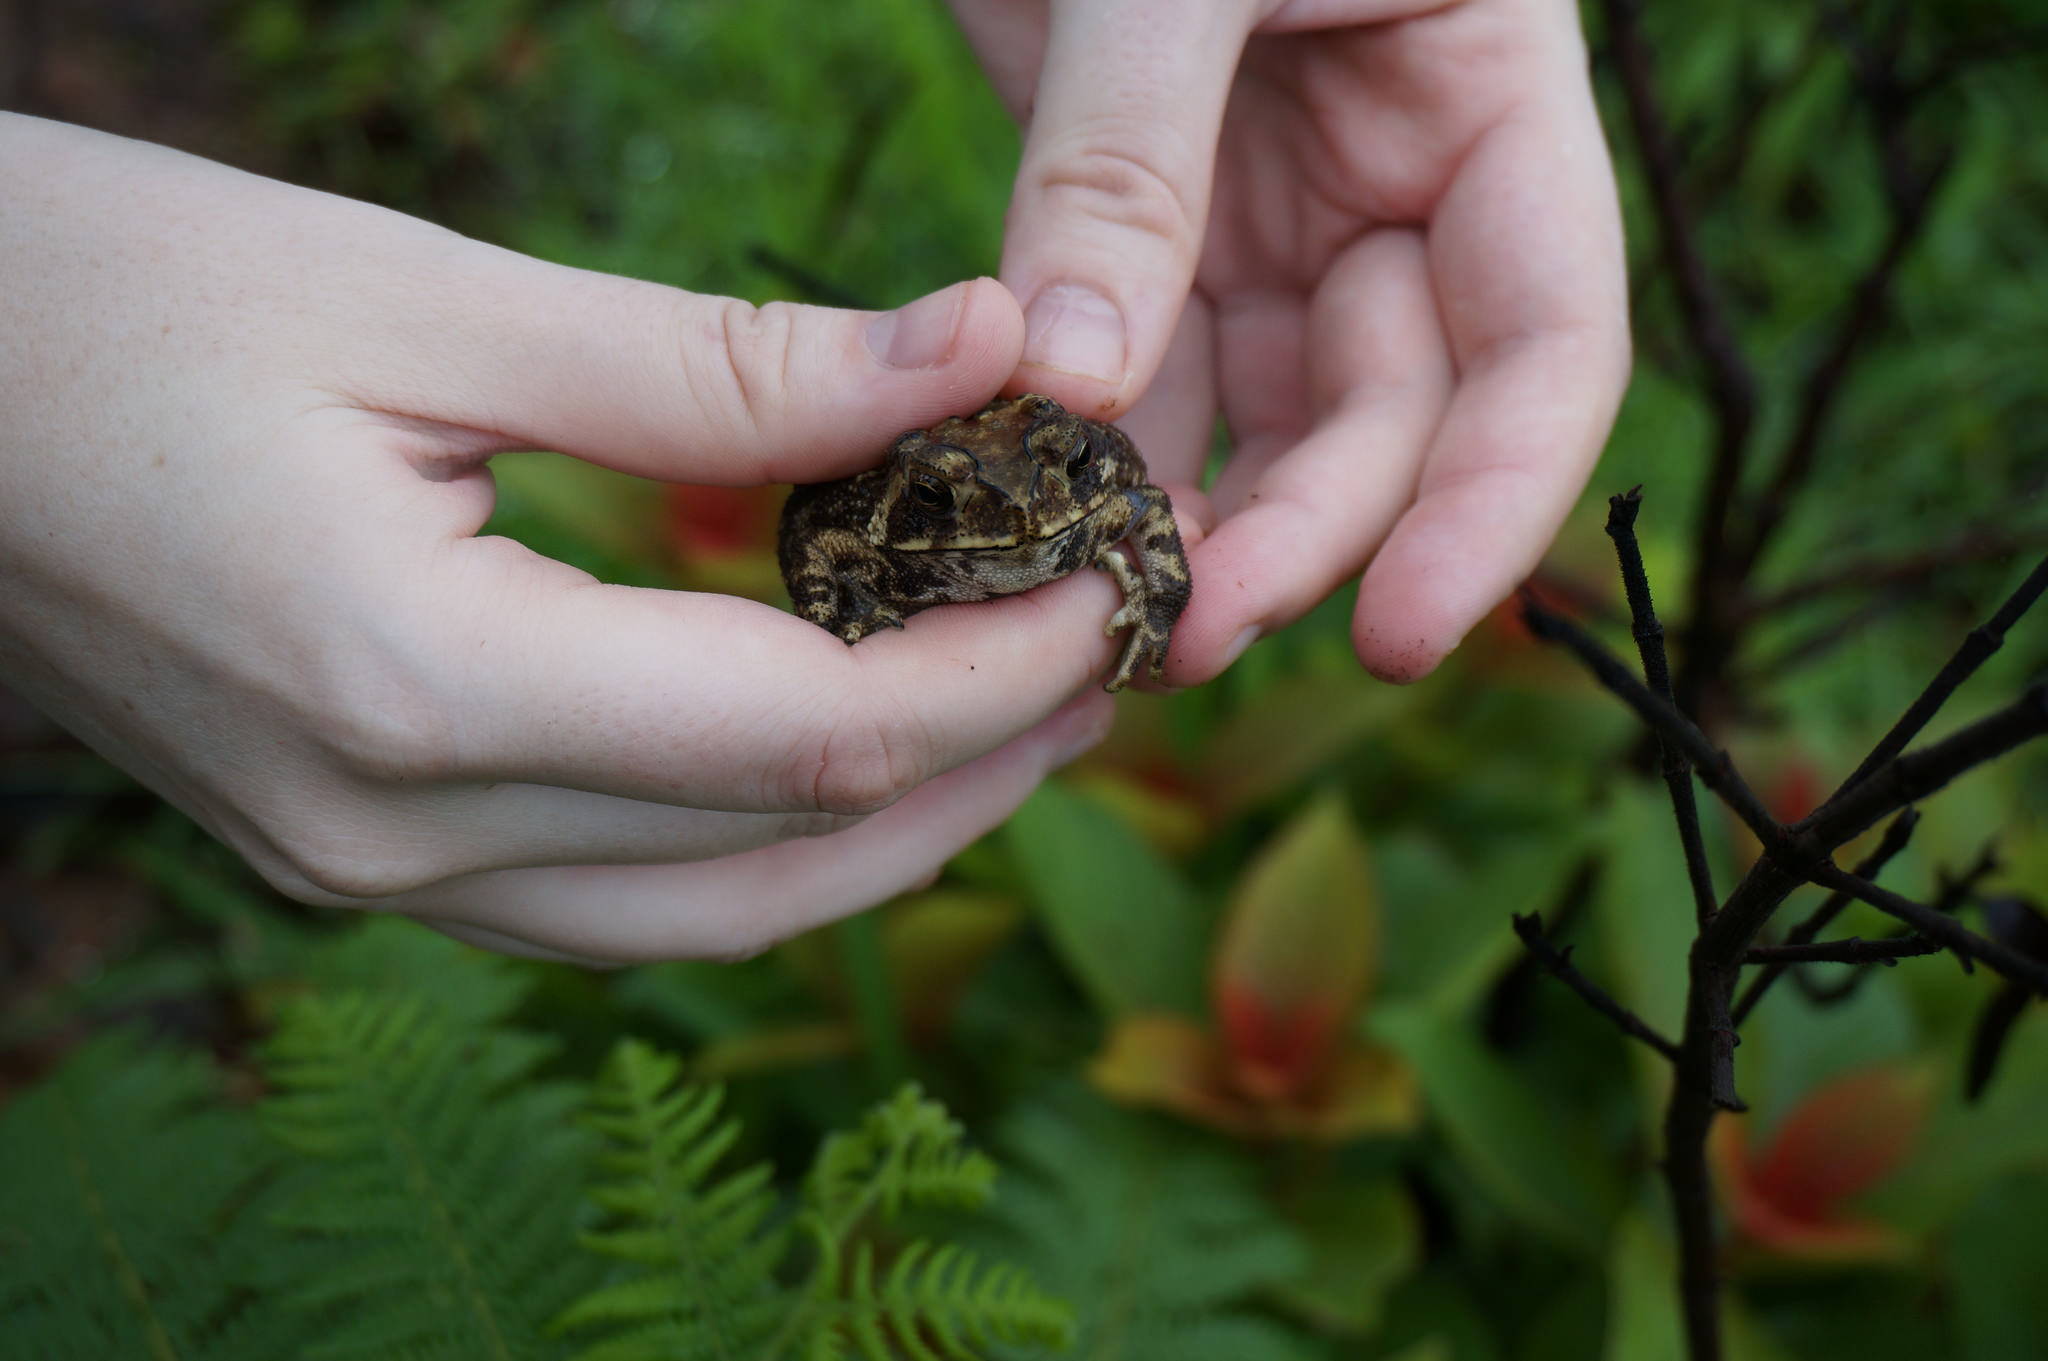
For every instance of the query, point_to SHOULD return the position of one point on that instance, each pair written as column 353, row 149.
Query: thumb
column 1112, row 195
column 682, row 386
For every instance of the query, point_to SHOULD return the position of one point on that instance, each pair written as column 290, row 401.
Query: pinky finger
column 739, row 905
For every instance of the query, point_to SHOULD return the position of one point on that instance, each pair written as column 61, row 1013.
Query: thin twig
column 1731, row 382
column 1802, row 855
column 1944, row 929
column 1976, row 648
column 1854, row 950
column 1649, row 635
column 1896, row 834
column 1912, row 777
column 1958, row 890
column 1722, row 1041
column 1559, row 962
column 1711, row 763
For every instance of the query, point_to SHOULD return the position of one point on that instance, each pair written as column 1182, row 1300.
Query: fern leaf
column 1158, row 1235
column 933, row 1303
column 702, row 1247
column 437, row 1185
column 906, row 1152
column 131, row 1215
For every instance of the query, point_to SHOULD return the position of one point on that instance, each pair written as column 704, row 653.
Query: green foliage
column 706, row 1254
column 1160, row 1236
column 1540, row 1167
column 1125, row 920
column 706, row 1250
column 417, row 1189
column 439, row 1183
column 131, row 1195
column 411, row 1188
column 672, row 139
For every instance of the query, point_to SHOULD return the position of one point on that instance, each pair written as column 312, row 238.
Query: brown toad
column 992, row 504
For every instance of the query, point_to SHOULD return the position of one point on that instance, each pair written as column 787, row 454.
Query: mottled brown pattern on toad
column 992, row 504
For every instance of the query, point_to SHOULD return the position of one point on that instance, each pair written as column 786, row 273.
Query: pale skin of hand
column 1380, row 238
column 242, row 475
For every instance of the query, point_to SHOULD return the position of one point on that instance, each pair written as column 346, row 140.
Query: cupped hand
column 242, row 478
column 1379, row 236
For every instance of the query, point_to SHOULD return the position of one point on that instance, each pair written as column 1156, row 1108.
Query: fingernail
column 1074, row 329
column 1238, row 645
column 918, row 335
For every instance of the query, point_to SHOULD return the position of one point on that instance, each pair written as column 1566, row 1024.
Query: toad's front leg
column 835, row 581
column 1155, row 591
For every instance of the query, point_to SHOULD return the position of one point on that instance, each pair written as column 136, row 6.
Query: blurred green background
column 1235, row 1001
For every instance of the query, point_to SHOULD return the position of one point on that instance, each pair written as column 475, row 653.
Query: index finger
column 1112, row 194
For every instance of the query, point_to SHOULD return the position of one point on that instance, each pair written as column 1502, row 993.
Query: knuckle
column 327, row 863
column 390, row 748
column 385, row 722
column 749, row 386
column 1117, row 177
column 864, row 762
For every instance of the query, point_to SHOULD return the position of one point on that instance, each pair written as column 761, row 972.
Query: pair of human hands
column 243, row 471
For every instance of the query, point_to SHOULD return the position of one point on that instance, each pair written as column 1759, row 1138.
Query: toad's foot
column 1145, row 649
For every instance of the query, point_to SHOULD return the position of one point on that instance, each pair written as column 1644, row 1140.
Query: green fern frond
column 932, row 1304
column 706, row 1247
column 438, row 1182
column 906, row 1152
column 1160, row 1237
column 131, row 1201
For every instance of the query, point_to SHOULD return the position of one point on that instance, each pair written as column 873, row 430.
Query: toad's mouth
column 973, row 544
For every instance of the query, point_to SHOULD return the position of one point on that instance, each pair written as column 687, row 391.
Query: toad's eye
column 1078, row 461
column 931, row 495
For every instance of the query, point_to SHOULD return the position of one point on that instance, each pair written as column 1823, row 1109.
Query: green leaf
column 1124, row 920
column 906, row 1152
column 705, row 1249
column 1362, row 1236
column 1303, row 926
column 1449, row 931
column 1286, row 733
column 437, row 1182
column 132, row 1216
column 1968, row 1147
column 1549, row 1175
column 390, row 956
column 1160, row 1236
column 943, row 1303
column 1994, row 1270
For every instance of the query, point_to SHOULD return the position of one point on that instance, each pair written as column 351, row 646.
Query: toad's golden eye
column 931, row 494
column 1080, row 458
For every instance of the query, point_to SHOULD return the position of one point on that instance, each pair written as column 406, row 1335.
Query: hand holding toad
column 1378, row 236
column 242, row 479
